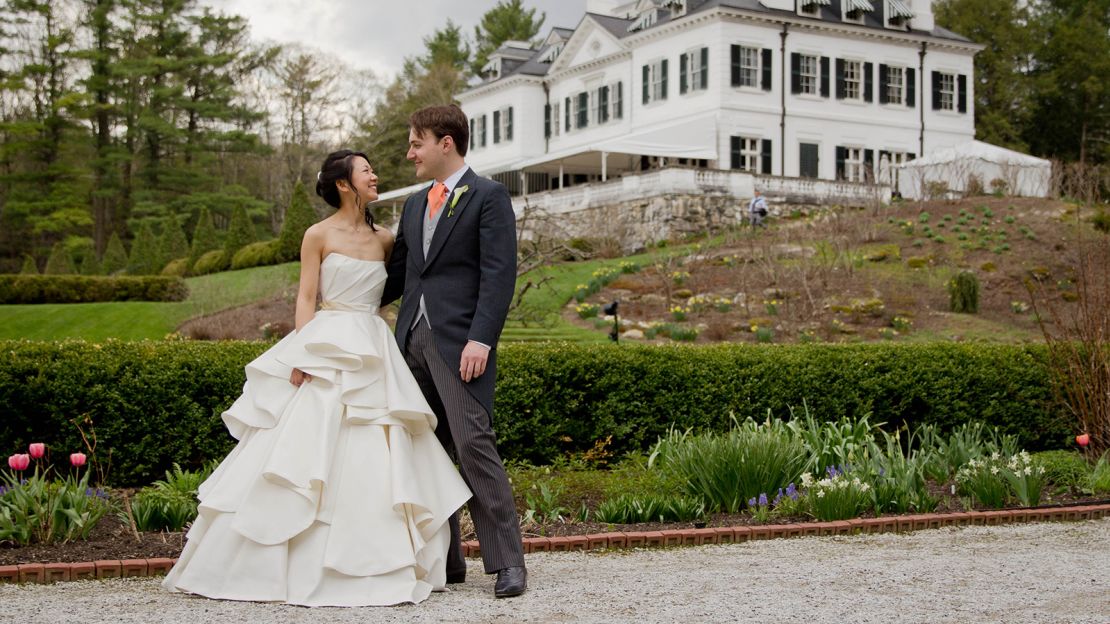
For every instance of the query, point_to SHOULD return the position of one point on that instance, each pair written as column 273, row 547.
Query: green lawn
column 139, row 320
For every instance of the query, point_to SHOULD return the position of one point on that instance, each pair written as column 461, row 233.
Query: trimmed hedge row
column 156, row 403
column 89, row 288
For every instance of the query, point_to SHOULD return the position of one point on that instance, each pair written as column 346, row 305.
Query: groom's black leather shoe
column 454, row 578
column 510, row 582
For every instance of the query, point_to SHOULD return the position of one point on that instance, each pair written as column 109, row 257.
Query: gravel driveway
column 1049, row 572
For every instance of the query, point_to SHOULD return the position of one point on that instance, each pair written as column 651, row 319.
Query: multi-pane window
column 946, row 89
column 657, row 80
column 854, row 164
column 555, row 125
column 895, row 85
column 745, row 154
column 749, row 67
column 694, row 70
column 853, row 83
column 808, row 74
column 503, row 124
column 616, row 100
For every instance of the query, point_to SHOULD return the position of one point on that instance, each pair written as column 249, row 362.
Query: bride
column 338, row 492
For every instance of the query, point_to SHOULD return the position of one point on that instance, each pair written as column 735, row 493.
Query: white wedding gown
column 338, row 492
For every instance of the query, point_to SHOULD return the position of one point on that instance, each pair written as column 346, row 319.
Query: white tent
column 956, row 168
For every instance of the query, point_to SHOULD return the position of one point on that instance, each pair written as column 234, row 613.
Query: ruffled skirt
column 338, row 492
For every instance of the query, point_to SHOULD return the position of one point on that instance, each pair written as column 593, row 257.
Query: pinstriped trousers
column 465, row 430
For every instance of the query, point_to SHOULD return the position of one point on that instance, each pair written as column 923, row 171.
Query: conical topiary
column 240, row 232
column 144, row 253
column 963, row 293
column 205, row 238
column 59, row 262
column 115, row 256
column 89, row 265
column 30, row 267
column 298, row 218
column 172, row 244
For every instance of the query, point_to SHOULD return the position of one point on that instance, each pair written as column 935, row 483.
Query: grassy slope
column 145, row 320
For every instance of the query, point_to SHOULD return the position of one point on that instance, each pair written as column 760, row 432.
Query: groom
column 454, row 259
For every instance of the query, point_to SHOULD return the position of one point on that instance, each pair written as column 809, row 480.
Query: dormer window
column 812, row 8
column 898, row 14
column 646, row 20
column 677, row 7
column 492, row 69
column 552, row 53
column 854, row 10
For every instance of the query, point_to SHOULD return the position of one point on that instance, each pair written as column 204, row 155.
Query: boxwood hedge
column 89, row 288
column 155, row 403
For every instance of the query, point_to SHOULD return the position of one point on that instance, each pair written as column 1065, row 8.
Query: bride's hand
column 298, row 377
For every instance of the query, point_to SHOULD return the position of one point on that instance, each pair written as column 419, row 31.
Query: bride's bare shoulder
column 384, row 234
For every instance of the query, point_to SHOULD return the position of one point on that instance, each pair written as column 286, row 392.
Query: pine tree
column 506, row 21
column 115, row 256
column 89, row 265
column 240, row 232
column 298, row 218
column 29, row 266
column 205, row 238
column 144, row 253
column 59, row 262
column 172, row 244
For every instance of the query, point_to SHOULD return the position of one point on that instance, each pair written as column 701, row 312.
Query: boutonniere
column 455, row 199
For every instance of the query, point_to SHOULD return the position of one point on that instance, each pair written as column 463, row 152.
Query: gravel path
column 1049, row 572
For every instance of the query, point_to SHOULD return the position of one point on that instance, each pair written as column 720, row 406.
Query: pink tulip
column 77, row 459
column 1083, row 439
column 19, row 461
column 37, row 450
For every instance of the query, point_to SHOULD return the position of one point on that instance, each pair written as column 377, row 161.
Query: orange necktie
column 436, row 199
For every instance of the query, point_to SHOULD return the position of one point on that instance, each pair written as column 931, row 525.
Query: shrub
column 144, row 253
column 262, row 253
column 89, row 288
column 59, row 263
column 298, row 218
column 963, row 293
column 114, row 259
column 1065, row 469
column 172, row 244
column 176, row 268
column 1101, row 221
column 205, row 238
column 29, row 266
column 240, row 232
column 210, row 262
column 157, row 403
column 170, row 504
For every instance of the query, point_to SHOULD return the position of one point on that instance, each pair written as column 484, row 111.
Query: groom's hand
column 473, row 362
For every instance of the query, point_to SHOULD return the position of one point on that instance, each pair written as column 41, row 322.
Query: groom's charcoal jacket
column 468, row 278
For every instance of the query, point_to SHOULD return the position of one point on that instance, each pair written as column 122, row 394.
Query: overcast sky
column 376, row 34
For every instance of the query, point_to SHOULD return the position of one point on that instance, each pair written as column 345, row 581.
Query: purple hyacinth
column 763, row 499
column 751, row 502
column 792, row 491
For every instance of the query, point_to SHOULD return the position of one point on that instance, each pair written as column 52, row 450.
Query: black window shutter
column 882, row 83
column 824, row 76
column 841, row 154
column 795, row 72
column 484, row 127
column 765, row 157
column 546, row 121
column 647, row 84
column 734, row 151
column 472, row 137
column 868, row 82
column 509, row 124
column 664, row 63
column 603, row 104
column 962, row 82
column 583, row 110
column 566, row 114
column 704, row 68
column 936, row 90
column 735, row 73
column 618, row 102
column 765, row 83
column 496, row 126
column 911, row 86
column 682, row 80
column 911, row 156
column 840, row 86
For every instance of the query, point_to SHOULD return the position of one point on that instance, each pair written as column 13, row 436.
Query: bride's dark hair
column 337, row 166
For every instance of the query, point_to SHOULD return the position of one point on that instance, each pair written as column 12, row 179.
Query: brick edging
column 52, row 572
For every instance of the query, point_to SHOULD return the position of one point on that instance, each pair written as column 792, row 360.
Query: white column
column 604, row 166
column 523, row 183
column 560, row 176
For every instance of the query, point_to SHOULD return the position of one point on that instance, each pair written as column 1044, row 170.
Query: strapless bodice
column 350, row 284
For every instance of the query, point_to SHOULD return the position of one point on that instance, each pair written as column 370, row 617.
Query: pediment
column 589, row 42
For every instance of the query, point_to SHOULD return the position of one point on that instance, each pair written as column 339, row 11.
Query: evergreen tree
column 144, row 253
column 29, row 266
column 205, row 238
column 298, row 218
column 240, row 232
column 446, row 47
column 172, row 244
column 504, row 22
column 59, row 263
column 115, row 256
column 89, row 265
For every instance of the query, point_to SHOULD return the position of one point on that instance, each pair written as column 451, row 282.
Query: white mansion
column 820, row 89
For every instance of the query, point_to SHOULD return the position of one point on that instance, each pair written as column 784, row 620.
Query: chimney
column 922, row 15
